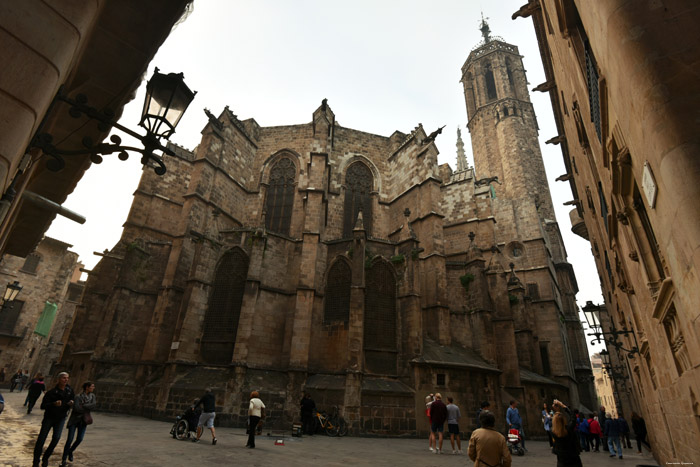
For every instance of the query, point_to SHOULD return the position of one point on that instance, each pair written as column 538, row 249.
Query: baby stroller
column 186, row 424
column 515, row 442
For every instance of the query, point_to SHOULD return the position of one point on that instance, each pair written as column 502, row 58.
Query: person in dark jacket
column 208, row 403
column 84, row 403
column 308, row 409
column 485, row 405
column 35, row 390
column 56, row 404
column 15, row 380
column 640, row 432
column 438, row 416
column 566, row 443
column 601, row 421
column 612, row 431
column 624, row 431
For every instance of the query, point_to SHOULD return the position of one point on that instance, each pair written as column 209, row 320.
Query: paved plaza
column 135, row 441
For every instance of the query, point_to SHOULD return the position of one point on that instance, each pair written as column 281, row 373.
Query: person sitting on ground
column 488, row 447
column 566, row 445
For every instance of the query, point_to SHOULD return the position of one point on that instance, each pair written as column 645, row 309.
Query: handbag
column 87, row 418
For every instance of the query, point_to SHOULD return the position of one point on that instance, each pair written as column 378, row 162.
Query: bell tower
column 502, row 122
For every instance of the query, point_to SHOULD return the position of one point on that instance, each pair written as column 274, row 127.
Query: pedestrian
column 584, row 433
column 56, row 404
column 566, row 445
column 16, row 378
column 485, row 405
column 625, row 431
column 612, row 431
column 80, row 418
column 453, row 416
column 488, row 447
column 2, row 375
column 308, row 409
column 547, row 422
column 208, row 403
column 640, row 432
column 35, row 390
column 514, row 421
column 594, row 432
column 438, row 416
column 23, row 380
column 429, row 399
column 256, row 414
column 601, row 420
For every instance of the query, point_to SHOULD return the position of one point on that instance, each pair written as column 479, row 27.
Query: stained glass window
column 380, row 320
column 221, row 319
column 358, row 188
column 336, row 308
column 280, row 196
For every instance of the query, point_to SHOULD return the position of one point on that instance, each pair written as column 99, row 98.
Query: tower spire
column 485, row 30
column 462, row 164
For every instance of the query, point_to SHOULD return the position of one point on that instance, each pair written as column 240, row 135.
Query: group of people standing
column 57, row 403
column 438, row 413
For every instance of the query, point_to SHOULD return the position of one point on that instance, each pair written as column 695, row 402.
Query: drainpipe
column 52, row 206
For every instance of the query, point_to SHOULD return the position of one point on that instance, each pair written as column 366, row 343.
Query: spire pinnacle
column 462, row 164
column 485, row 30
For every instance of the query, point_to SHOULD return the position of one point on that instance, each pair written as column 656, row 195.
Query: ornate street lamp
column 616, row 372
column 11, row 292
column 167, row 98
column 592, row 315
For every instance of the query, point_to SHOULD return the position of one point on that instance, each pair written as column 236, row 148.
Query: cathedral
column 322, row 259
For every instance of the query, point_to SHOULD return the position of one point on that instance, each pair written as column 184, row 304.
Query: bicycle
column 334, row 424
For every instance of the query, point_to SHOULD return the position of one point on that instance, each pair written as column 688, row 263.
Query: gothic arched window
column 380, row 320
column 358, row 188
column 336, row 306
column 280, row 196
column 490, row 83
column 221, row 318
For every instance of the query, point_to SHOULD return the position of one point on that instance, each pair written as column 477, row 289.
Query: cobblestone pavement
column 134, row 441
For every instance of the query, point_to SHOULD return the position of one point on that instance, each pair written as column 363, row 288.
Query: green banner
column 43, row 327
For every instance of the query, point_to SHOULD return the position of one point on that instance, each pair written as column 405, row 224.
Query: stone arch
column 224, row 307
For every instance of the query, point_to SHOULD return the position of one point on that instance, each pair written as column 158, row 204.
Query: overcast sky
column 383, row 65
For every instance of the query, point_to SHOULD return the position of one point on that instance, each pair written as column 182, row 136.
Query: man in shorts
column 208, row 403
column 438, row 415
column 453, row 416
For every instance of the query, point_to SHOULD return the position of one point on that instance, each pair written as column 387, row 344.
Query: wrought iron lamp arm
column 151, row 143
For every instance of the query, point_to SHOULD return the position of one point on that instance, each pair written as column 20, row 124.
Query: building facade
column 32, row 326
column 622, row 77
column 319, row 258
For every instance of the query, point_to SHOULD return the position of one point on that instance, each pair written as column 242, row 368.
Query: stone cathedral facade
column 319, row 258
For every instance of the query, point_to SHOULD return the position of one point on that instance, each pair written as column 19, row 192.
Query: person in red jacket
column 594, row 433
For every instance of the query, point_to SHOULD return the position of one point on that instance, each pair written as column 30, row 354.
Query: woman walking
column 640, row 432
column 566, row 445
column 79, row 419
column 547, row 422
column 256, row 414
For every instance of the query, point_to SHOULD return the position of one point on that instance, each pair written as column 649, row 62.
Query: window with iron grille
column 358, row 188
column 31, row 263
column 9, row 314
column 380, row 320
column 336, row 308
column 280, row 196
column 593, row 90
column 221, row 318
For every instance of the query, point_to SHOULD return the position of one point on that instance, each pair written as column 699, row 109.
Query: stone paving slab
column 134, row 441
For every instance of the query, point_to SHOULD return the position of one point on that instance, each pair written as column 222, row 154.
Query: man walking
column 514, row 421
column 308, row 408
column 56, row 404
column 438, row 415
column 613, row 430
column 453, row 416
column 208, row 403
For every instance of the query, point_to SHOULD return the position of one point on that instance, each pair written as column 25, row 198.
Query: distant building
column 623, row 80
column 32, row 326
column 603, row 386
column 318, row 258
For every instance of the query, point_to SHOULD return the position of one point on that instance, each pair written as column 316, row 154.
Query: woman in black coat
column 566, row 443
column 640, row 432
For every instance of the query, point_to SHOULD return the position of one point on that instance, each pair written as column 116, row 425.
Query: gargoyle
column 487, row 181
column 431, row 137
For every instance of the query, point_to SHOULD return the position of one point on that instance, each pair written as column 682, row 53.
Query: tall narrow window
column 336, row 308
column 593, row 89
column 380, row 320
column 280, row 196
column 640, row 209
column 490, row 83
column 221, row 319
column 544, row 354
column 358, row 196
